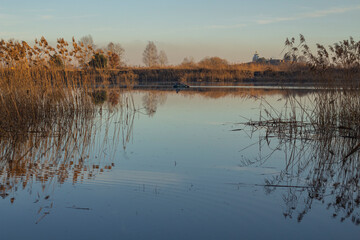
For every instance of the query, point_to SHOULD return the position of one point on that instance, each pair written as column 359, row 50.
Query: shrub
column 98, row 61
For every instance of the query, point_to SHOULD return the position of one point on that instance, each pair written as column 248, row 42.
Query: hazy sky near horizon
column 231, row 29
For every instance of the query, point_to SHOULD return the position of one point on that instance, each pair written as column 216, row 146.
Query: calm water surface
column 173, row 169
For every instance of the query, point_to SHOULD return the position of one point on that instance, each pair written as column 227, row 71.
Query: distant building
column 275, row 61
column 258, row 59
column 255, row 57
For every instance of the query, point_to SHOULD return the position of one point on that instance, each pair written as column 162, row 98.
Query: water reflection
column 116, row 170
column 58, row 151
column 151, row 100
column 319, row 167
column 218, row 92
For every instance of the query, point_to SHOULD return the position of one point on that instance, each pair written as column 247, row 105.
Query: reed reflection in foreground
column 57, row 150
column 321, row 141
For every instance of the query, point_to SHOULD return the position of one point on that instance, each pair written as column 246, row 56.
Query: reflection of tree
column 322, row 163
column 73, row 148
column 151, row 100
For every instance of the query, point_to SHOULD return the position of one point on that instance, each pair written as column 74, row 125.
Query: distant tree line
column 113, row 57
column 86, row 54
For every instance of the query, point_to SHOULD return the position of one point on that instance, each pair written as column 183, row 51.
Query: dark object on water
column 180, row 85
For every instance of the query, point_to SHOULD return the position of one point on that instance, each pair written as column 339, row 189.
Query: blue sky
column 232, row 29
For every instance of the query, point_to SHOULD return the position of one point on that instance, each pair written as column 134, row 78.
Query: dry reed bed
column 332, row 110
column 48, row 119
column 319, row 134
column 36, row 86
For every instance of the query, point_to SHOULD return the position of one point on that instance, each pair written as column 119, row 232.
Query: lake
column 175, row 166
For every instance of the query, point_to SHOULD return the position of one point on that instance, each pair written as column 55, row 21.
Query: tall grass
column 319, row 134
column 36, row 85
column 336, row 102
column 335, row 66
column 48, row 116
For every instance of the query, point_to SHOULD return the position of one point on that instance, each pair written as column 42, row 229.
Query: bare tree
column 163, row 60
column 188, row 62
column 150, row 55
column 118, row 50
column 87, row 43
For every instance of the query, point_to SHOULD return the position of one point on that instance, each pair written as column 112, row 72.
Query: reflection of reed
column 320, row 135
column 318, row 170
column 321, row 141
column 72, row 148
